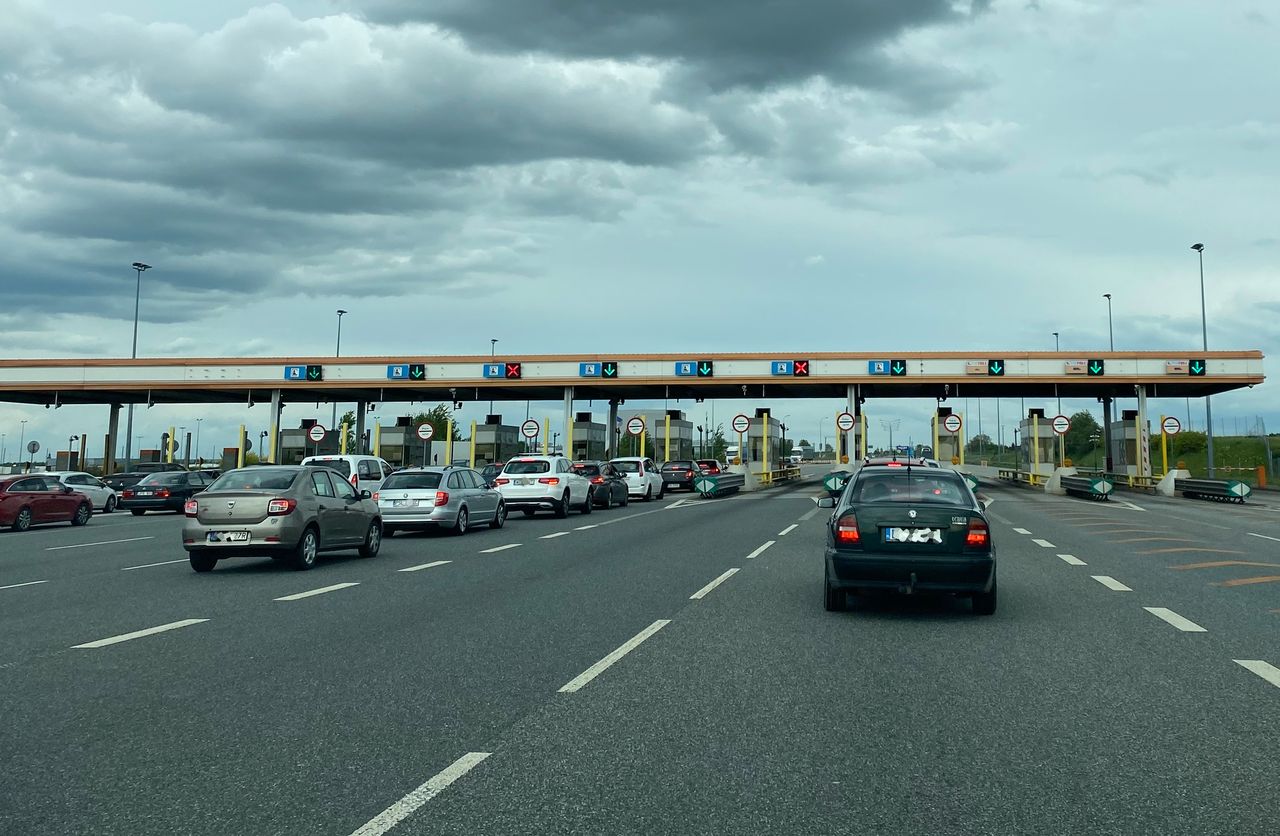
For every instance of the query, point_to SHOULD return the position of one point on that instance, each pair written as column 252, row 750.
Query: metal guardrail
column 783, row 474
column 1089, row 487
column 1010, row 474
column 723, row 484
column 1215, row 489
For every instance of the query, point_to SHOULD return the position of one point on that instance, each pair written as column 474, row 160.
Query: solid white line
column 16, row 585
column 322, row 590
column 1044, row 544
column 150, row 631
column 103, row 543
column 1073, row 560
column 435, row 785
column 554, row 535
column 586, row 527
column 1268, row 672
column 425, row 566
column 501, row 548
column 1183, row 624
column 760, row 550
column 1111, row 583
column 600, row 667
column 149, row 565
column 702, row 593
column 1264, row 536
column 784, row 532
column 1021, row 531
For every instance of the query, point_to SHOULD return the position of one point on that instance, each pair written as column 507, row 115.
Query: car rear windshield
column 171, row 478
column 587, row 469
column 909, row 486
column 412, row 481
column 528, row 466
column 254, row 480
column 340, row 465
column 678, row 466
column 627, row 467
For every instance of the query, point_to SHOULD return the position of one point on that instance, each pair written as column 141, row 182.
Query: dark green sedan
column 909, row 529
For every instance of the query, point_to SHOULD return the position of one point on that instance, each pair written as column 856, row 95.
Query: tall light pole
column 71, row 443
column 198, row 420
column 892, row 425
column 22, row 440
column 493, row 346
column 1110, row 330
column 1056, row 347
column 139, row 268
column 1204, row 335
column 337, row 352
column 1055, row 341
column 1106, row 402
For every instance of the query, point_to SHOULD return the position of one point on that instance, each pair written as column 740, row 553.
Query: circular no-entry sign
column 635, row 425
column 952, row 423
column 845, row 421
column 316, row 433
column 530, row 428
column 425, row 431
column 33, row 447
column 1171, row 426
column 1061, row 424
column 741, row 423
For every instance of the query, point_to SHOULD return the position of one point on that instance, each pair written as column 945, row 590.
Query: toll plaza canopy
column 898, row 374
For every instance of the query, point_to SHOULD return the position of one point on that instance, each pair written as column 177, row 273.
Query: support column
column 1143, row 434
column 276, row 406
column 568, row 423
column 611, row 432
column 1108, row 466
column 361, row 409
column 113, row 430
column 853, row 405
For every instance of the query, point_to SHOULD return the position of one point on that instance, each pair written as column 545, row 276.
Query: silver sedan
column 288, row 513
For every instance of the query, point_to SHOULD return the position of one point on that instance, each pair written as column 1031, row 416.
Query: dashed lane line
column 138, row 634
column 16, row 585
column 761, row 550
column 1044, row 544
column 1186, row 625
column 436, row 784
column 161, row 563
column 1021, row 531
column 1111, row 583
column 430, row 565
column 100, row 543
column 553, row 535
column 604, row 664
column 702, row 593
column 808, row 515
column 1072, row 560
column 1267, row 671
column 496, row 549
column 784, row 532
column 1264, row 536
column 298, row 596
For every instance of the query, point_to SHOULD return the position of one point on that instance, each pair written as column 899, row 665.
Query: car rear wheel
column 648, row 492
column 662, row 491
column 608, row 499
column 203, row 562
column 110, row 507
column 83, row 513
column 23, row 521
column 304, row 554
column 589, row 504
column 562, row 507
column 137, row 512
column 834, row 598
column 984, row 603
column 372, row 540
column 499, row 516
column 626, row 497
column 460, row 525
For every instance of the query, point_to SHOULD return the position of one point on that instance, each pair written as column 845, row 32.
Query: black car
column 119, row 481
column 909, row 528
column 608, row 484
column 164, row 491
column 680, row 473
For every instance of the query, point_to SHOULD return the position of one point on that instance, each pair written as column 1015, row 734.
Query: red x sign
column 800, row 368
column 513, row 370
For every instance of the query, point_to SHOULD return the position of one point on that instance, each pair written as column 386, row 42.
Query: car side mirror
column 68, row 489
column 826, row 502
column 366, row 495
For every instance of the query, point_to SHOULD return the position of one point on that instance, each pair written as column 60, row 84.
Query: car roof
column 433, row 468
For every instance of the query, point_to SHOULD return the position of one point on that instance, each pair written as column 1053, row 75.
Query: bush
column 1188, row 442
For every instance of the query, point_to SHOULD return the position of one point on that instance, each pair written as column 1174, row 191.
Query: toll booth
column 589, row 437
column 67, row 460
column 655, row 434
column 950, row 441
column 755, row 440
column 1125, row 438
column 229, row 458
column 399, row 446
column 495, row 442
column 1039, row 442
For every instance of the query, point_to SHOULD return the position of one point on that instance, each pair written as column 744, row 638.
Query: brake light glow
column 162, row 492
column 894, row 464
column 979, row 535
column 128, row 493
column 442, row 498
column 549, row 480
column 847, row 530
column 376, row 495
column 501, row 481
column 597, row 480
column 190, row 507
column 281, row 507
column 689, row 473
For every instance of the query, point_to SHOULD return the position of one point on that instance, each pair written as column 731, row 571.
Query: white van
column 365, row 473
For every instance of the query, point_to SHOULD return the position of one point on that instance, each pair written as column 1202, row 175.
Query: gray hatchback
column 284, row 512
column 453, row 498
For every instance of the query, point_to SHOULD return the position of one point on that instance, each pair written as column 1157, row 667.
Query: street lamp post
column 1204, row 335
column 493, row 345
column 1110, row 330
column 198, row 420
column 71, row 442
column 139, row 268
column 1106, row 402
column 337, row 352
column 1056, row 347
column 22, row 440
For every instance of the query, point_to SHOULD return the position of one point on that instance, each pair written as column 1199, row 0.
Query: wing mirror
column 366, row 495
column 826, row 502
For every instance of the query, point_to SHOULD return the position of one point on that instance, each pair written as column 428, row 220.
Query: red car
column 33, row 499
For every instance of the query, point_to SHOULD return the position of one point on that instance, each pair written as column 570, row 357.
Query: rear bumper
column 941, row 573
column 416, row 517
column 146, row 504
column 535, row 502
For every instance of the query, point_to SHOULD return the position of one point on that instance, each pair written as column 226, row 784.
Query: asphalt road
column 648, row 670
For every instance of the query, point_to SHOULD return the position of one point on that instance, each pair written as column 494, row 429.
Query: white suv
column 644, row 477
column 364, row 473
column 547, row 483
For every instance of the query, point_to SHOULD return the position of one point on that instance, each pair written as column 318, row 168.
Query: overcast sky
column 585, row 177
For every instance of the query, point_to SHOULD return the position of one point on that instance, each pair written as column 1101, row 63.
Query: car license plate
column 523, row 482
column 143, row 493
column 228, row 537
column 404, row 503
column 912, row 535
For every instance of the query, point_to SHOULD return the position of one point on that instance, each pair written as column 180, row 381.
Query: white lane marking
column 16, row 585
column 600, row 667
column 137, row 634
column 425, row 566
column 677, row 504
column 632, row 516
column 1073, row 560
column 149, row 565
column 322, row 590
column 702, row 593
column 103, row 543
column 435, row 785
column 554, row 535
column 1111, row 583
column 1183, row 624
column 987, row 500
column 587, row 527
column 1127, row 504
column 501, row 548
column 784, row 532
column 1021, row 531
column 1044, row 544
column 808, row 515
column 1264, row 536
column 1267, row 671
column 760, row 550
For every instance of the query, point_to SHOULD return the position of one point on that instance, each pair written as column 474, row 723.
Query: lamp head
column 1198, row 247
column 139, row 266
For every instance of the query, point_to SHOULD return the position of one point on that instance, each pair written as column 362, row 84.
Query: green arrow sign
column 609, row 368
column 834, row 481
column 704, row 484
column 706, row 368
column 898, row 369
column 1197, row 368
column 995, row 368
column 417, row 371
column 315, row 372
column 1097, row 368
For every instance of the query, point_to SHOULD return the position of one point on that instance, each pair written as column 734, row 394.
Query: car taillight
column 355, row 480
column 979, row 536
column 549, row 480
column 162, row 492
column 689, row 473
column 376, row 495
column 128, row 493
column 190, row 507
column 501, row 481
column 442, row 498
column 847, row 530
column 597, row 480
column 280, row 507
